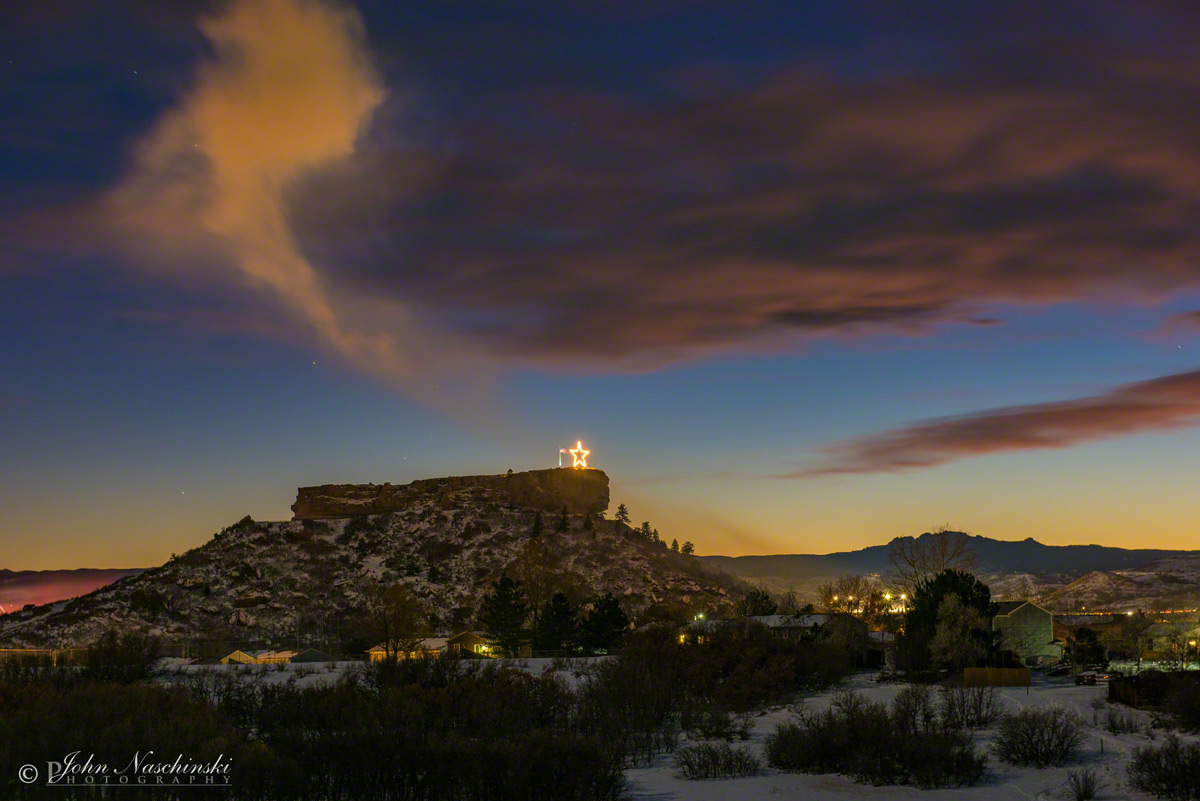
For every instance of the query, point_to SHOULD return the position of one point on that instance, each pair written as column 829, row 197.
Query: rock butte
column 582, row 491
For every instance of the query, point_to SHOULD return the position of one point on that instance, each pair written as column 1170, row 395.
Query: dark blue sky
column 803, row 276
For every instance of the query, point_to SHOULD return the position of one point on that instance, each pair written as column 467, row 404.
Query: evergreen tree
column 654, row 536
column 588, row 525
column 557, row 626
column 605, row 625
column 536, row 531
column 622, row 514
column 756, row 602
column 564, row 522
column 435, row 575
column 924, row 608
column 644, row 530
column 502, row 615
column 688, row 549
column 675, row 546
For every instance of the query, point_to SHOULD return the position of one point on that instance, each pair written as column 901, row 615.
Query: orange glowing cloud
column 1159, row 404
column 286, row 96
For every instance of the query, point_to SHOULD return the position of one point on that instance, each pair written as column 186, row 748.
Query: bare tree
column 789, row 603
column 394, row 618
column 916, row 559
column 860, row 596
column 1136, row 636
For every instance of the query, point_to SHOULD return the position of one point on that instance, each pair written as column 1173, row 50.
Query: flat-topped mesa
column 580, row 490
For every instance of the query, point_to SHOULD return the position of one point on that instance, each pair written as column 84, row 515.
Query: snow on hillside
column 261, row 580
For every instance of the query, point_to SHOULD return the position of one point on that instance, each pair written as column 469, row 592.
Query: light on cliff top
column 579, row 455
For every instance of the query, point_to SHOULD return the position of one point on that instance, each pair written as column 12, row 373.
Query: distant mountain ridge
column 20, row 587
column 995, row 556
column 1060, row 577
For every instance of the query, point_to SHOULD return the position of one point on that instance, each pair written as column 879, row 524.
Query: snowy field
column 1106, row 752
column 315, row 673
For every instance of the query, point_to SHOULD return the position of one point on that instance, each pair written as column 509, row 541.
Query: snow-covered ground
column 572, row 671
column 1106, row 752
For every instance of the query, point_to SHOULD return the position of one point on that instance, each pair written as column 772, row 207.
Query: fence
column 996, row 677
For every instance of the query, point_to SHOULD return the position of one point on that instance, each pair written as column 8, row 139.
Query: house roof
column 427, row 644
column 1008, row 607
column 791, row 621
column 312, row 655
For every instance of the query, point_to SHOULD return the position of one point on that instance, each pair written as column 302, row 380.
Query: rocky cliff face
column 583, row 491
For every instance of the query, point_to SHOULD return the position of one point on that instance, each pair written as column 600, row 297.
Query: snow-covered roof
column 791, row 621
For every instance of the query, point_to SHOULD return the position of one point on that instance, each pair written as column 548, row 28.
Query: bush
column 711, row 722
column 1171, row 770
column 715, row 761
column 122, row 658
column 970, row 707
column 1084, row 784
column 1123, row 722
column 1039, row 737
column 865, row 741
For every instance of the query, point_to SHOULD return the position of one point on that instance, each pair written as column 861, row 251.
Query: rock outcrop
column 582, row 491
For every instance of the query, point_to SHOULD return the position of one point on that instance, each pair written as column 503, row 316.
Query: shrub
column 715, row 761
column 708, row 721
column 913, row 710
column 1123, row 722
column 1084, row 784
column 1039, row 737
column 122, row 658
column 864, row 740
column 970, row 707
column 1171, row 770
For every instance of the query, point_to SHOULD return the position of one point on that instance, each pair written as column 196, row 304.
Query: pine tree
column 536, row 531
column 675, row 546
column 564, row 522
column 557, row 625
column 588, row 525
column 605, row 625
column 654, row 536
column 688, row 549
column 502, row 615
column 645, row 531
column 622, row 514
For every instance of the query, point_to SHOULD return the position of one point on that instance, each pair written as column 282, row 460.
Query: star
column 579, row 454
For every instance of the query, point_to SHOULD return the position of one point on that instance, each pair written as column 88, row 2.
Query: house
column 259, row 657
column 791, row 627
column 430, row 647
column 471, row 642
column 311, row 655
column 1027, row 630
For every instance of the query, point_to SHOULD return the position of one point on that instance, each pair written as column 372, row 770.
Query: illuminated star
column 579, row 454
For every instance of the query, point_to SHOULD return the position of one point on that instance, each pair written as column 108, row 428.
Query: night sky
column 802, row 276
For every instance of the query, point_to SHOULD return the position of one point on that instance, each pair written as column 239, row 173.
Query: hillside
column 447, row 539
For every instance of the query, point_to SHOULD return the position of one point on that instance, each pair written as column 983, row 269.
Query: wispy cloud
column 286, row 96
column 1159, row 404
